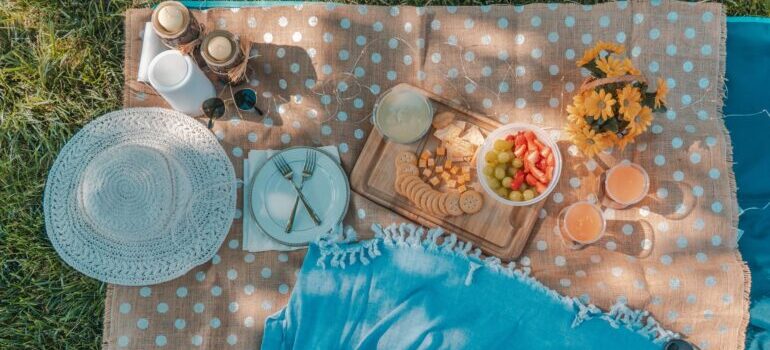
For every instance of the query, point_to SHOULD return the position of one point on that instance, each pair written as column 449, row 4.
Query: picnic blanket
column 319, row 69
column 410, row 288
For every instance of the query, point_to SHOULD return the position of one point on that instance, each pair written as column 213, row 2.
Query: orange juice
column 627, row 183
column 583, row 222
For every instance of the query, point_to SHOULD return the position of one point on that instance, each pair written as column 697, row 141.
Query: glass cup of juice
column 403, row 114
column 626, row 184
column 581, row 223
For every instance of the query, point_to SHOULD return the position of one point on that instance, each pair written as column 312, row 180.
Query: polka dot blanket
column 318, row 69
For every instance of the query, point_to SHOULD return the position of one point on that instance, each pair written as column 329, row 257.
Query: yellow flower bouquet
column 612, row 106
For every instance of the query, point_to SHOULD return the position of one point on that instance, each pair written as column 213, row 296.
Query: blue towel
column 748, row 120
column 405, row 290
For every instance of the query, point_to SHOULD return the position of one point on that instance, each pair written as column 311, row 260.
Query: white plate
column 272, row 197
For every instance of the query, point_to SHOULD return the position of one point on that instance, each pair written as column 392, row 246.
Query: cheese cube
column 454, row 170
column 441, row 151
column 434, row 181
column 448, row 164
column 451, row 183
column 431, row 162
column 427, row 173
column 425, row 154
column 423, row 163
column 446, row 176
column 467, row 177
column 466, row 169
column 439, row 169
column 462, row 188
column 461, row 180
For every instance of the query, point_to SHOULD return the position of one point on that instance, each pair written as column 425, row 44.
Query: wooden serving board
column 498, row 229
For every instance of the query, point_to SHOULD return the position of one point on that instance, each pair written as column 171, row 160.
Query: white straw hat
column 140, row 196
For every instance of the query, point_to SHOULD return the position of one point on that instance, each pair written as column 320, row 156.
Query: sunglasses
column 678, row 344
column 245, row 100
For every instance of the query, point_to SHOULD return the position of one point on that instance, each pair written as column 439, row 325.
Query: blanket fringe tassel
column 340, row 251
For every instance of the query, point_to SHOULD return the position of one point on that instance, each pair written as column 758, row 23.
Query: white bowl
column 501, row 133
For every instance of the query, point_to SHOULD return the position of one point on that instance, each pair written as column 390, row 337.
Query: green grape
column 517, row 163
column 501, row 145
column 504, row 157
column 528, row 194
column 516, row 196
column 493, row 183
column 502, row 191
column 491, row 157
column 523, row 187
column 500, row 172
column 506, row 182
column 488, row 170
column 511, row 171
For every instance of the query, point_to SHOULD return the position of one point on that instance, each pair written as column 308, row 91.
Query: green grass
column 61, row 66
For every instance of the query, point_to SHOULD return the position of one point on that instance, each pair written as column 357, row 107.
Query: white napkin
column 151, row 47
column 254, row 239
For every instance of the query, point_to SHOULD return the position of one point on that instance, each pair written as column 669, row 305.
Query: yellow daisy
column 588, row 141
column 660, row 95
column 588, row 56
column 599, row 104
column 629, row 66
column 595, row 51
column 639, row 123
column 629, row 101
column 611, row 66
column 576, row 111
column 623, row 142
column 610, row 47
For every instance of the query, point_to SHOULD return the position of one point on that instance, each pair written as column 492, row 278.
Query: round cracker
column 452, row 204
column 418, row 191
column 398, row 185
column 407, row 169
column 471, row 202
column 410, row 186
column 425, row 200
column 443, row 119
column 434, row 204
column 442, row 204
column 406, row 157
column 409, row 182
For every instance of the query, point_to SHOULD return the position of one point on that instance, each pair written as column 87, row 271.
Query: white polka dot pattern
column 515, row 64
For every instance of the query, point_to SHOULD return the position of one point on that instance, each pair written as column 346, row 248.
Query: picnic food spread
column 317, row 99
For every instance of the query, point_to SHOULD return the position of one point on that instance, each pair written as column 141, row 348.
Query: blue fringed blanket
column 415, row 289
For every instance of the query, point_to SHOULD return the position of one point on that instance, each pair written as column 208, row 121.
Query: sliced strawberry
column 518, row 180
column 530, row 135
column 550, row 160
column 540, row 187
column 539, row 144
column 537, row 173
column 541, row 164
column 544, row 152
column 510, row 138
column 533, row 156
column 531, row 180
column 520, row 150
column 549, row 173
column 520, row 140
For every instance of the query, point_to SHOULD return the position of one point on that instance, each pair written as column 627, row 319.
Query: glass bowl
column 501, row 133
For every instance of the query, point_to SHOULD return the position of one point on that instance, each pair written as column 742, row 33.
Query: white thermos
column 180, row 81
